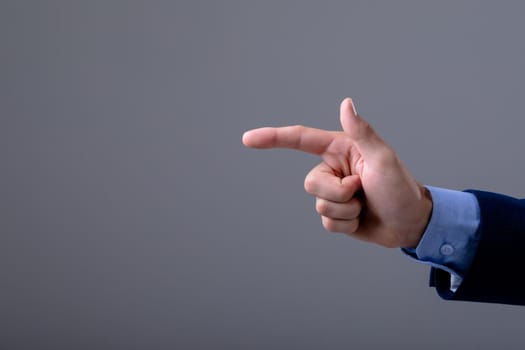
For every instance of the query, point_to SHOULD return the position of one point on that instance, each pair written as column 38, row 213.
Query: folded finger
column 341, row 211
column 341, row 226
column 322, row 182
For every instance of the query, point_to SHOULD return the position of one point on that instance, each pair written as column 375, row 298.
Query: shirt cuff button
column 446, row 249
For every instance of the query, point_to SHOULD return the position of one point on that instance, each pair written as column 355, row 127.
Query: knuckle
column 329, row 224
column 310, row 184
column 298, row 129
column 313, row 182
column 321, row 207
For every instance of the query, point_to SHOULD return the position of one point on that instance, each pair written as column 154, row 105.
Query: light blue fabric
column 451, row 237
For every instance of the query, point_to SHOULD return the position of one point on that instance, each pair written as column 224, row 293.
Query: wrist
column 423, row 218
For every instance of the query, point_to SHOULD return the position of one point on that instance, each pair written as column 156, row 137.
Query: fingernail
column 353, row 106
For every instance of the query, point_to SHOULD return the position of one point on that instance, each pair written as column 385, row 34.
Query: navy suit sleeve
column 496, row 273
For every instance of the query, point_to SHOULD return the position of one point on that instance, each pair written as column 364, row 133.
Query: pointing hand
column 361, row 187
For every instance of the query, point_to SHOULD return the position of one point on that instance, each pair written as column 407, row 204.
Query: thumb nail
column 353, row 107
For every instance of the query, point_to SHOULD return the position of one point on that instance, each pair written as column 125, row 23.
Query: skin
column 361, row 187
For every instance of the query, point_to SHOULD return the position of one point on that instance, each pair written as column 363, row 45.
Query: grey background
column 132, row 217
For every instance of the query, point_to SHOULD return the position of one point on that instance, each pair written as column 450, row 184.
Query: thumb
column 362, row 134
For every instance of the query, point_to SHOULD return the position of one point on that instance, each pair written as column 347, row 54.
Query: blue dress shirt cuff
column 451, row 237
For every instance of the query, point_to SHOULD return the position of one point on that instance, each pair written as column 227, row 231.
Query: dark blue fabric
column 496, row 273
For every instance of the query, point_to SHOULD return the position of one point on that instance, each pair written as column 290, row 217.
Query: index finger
column 298, row 137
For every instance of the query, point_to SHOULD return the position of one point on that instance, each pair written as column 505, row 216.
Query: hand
column 361, row 187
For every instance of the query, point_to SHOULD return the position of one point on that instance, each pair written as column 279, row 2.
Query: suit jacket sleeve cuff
column 494, row 275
